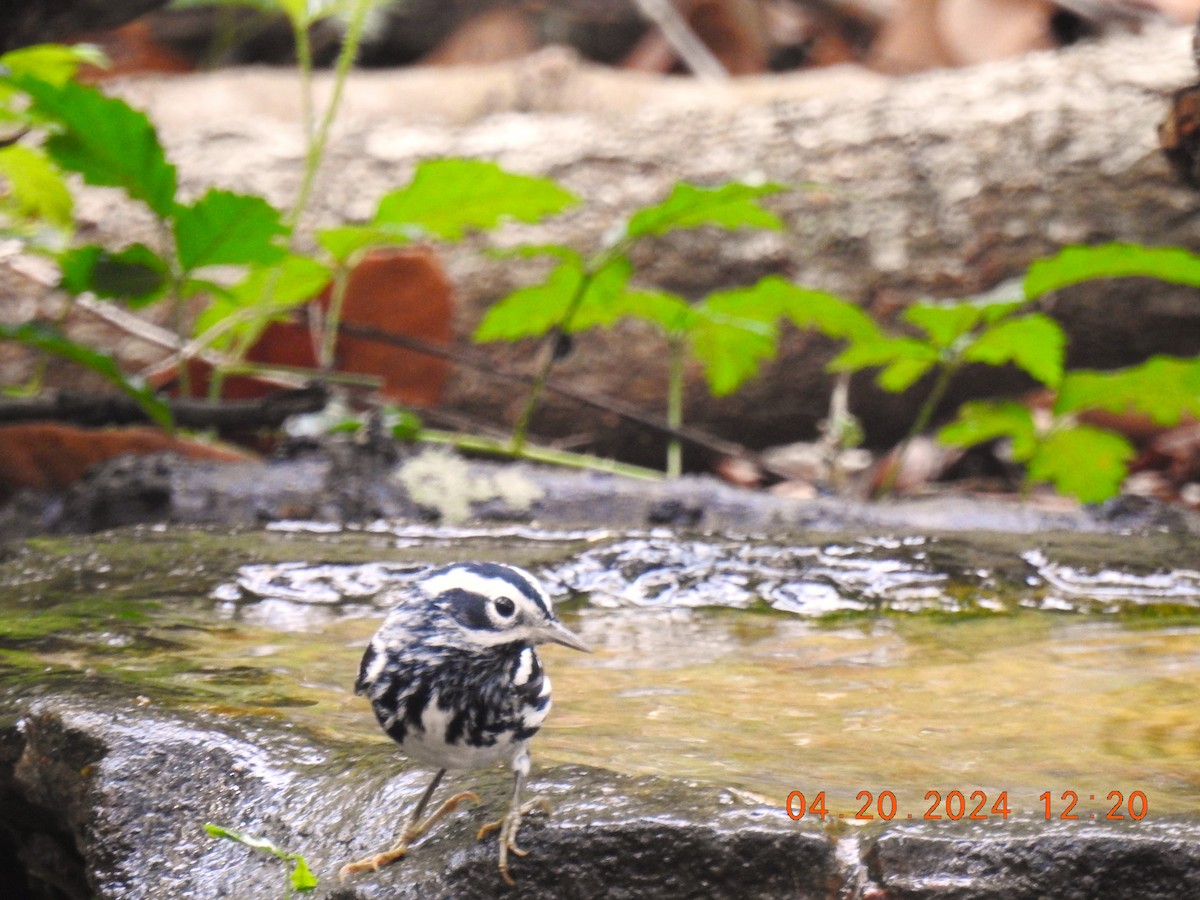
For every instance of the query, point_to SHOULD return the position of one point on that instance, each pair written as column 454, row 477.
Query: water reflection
column 842, row 664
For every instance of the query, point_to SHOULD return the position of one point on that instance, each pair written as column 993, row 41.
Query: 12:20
column 1137, row 805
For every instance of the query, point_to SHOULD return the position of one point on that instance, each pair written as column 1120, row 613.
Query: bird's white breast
column 429, row 745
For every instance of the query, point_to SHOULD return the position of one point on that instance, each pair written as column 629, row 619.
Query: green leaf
column 1087, row 463
column 773, row 297
column 227, row 229
column 903, row 374
column 828, row 313
column 532, row 311
column 729, row 206
column 302, row 877
column 904, row 360
column 668, row 311
column 759, row 302
column 730, row 350
column 945, row 323
column 136, row 274
column 981, row 421
column 448, row 197
column 345, row 242
column 1165, row 388
column 601, row 303
column 1034, row 343
column 239, row 313
column 1077, row 264
column 55, row 64
column 48, row 339
column 404, row 424
column 106, row 141
column 36, row 187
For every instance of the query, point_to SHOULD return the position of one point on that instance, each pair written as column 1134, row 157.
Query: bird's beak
column 558, row 633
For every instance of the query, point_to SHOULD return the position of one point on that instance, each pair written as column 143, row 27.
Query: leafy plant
column 950, row 336
column 35, row 203
column 446, row 199
column 300, row 877
column 110, row 144
column 1082, row 460
column 53, row 125
column 730, row 335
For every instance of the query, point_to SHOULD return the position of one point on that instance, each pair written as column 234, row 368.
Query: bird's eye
column 505, row 607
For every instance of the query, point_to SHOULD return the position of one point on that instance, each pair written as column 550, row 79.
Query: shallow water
column 832, row 664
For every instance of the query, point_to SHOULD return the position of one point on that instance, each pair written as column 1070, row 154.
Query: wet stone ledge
column 105, row 795
column 1027, row 861
column 107, row 798
column 340, row 481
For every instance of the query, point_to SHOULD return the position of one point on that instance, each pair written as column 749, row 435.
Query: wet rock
column 114, row 794
column 107, row 798
column 345, row 482
column 1069, row 861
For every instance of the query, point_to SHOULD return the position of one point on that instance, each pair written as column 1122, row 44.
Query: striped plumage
column 454, row 679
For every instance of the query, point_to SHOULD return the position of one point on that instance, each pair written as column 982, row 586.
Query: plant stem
column 929, row 407
column 521, row 430
column 479, row 444
column 594, row 265
column 317, row 141
column 678, row 346
column 945, row 373
column 182, row 374
column 304, row 61
column 329, row 331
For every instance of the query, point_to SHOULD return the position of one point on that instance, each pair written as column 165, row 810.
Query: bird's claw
column 508, row 827
column 410, row 834
column 376, row 862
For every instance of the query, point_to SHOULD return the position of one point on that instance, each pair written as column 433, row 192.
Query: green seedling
column 582, row 292
column 299, row 876
column 948, row 337
column 1081, row 460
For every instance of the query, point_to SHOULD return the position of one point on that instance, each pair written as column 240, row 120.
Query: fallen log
column 939, row 185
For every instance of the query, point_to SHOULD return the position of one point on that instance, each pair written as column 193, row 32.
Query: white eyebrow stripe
column 487, row 586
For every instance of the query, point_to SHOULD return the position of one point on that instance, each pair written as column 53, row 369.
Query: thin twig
column 161, row 337
column 116, row 409
column 470, row 360
column 692, row 51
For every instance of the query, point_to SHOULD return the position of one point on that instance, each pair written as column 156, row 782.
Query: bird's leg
column 510, row 824
column 413, row 829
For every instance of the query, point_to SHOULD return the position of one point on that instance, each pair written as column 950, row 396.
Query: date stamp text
column 956, row 805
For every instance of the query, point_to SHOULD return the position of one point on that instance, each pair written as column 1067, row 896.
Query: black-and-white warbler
column 454, row 679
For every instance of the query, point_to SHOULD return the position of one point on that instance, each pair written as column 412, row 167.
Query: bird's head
column 494, row 604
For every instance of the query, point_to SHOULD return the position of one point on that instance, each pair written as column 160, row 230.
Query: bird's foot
column 442, row 811
column 411, row 833
column 376, row 862
column 508, row 827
